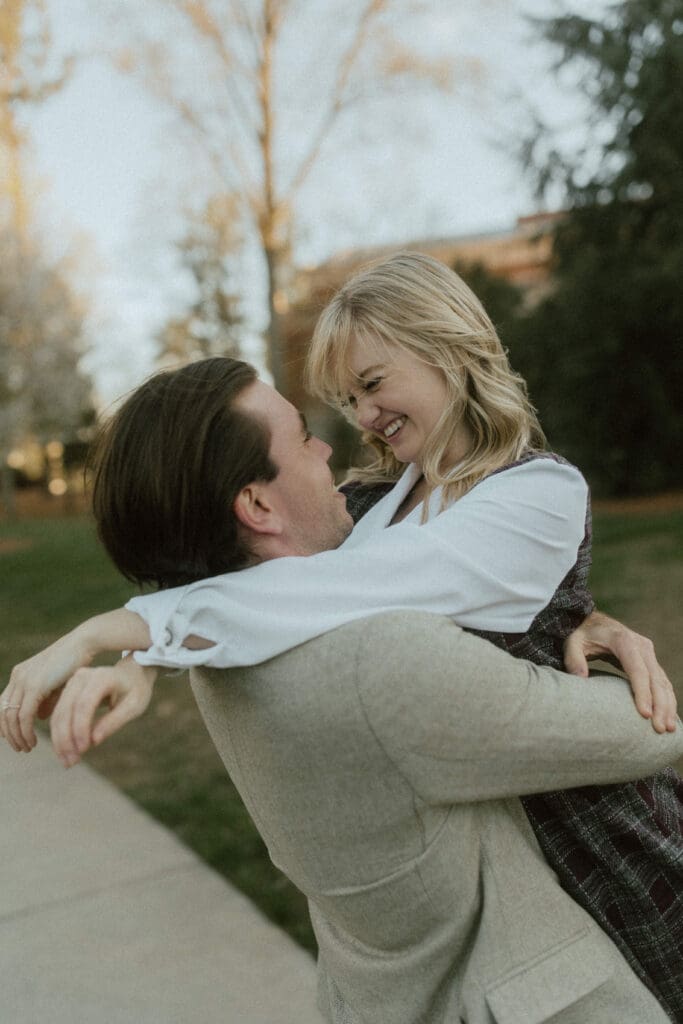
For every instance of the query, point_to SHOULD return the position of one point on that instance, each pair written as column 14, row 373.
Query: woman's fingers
column 122, row 713
column 641, row 684
column 127, row 687
column 37, row 687
column 85, row 690
column 665, row 703
column 654, row 695
column 575, row 660
column 17, row 715
column 603, row 637
column 47, row 705
column 31, row 683
column 9, row 715
column 663, row 694
column 136, row 686
column 15, row 720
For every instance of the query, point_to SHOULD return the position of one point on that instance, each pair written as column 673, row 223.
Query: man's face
column 303, row 492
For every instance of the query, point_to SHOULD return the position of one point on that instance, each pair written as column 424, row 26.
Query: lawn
column 53, row 574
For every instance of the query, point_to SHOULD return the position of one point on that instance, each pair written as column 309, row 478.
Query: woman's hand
column 599, row 636
column 126, row 687
column 34, row 683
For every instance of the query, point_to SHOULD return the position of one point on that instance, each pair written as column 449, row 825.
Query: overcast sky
column 110, row 168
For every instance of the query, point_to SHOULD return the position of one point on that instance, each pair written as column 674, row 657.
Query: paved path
column 106, row 918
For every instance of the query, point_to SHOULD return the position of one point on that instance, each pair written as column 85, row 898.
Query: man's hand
column 126, row 687
column 599, row 636
column 33, row 683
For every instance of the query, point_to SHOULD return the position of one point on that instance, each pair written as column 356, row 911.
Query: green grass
column 166, row 762
column 61, row 577
column 637, row 574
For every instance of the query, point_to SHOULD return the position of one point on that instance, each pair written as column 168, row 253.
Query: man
column 380, row 762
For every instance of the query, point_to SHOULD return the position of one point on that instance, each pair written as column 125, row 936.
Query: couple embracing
column 481, row 836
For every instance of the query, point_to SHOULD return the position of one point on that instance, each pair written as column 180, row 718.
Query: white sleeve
column 491, row 561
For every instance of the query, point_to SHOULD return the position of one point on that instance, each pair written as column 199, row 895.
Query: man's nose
column 324, row 448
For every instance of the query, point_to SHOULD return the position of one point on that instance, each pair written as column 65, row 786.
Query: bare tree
column 41, row 388
column 270, row 99
column 27, row 75
column 210, row 323
column 43, row 391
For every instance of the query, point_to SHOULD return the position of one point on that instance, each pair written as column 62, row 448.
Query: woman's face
column 395, row 396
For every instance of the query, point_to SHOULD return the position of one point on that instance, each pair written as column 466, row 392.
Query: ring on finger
column 9, row 707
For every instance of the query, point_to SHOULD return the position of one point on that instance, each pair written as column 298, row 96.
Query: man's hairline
column 260, row 421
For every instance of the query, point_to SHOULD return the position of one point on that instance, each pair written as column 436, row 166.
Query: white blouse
column 491, row 561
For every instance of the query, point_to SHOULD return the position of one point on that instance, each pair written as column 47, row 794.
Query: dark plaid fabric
column 570, row 604
column 360, row 498
column 617, row 850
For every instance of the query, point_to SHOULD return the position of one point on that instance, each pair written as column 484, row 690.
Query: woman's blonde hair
column 419, row 304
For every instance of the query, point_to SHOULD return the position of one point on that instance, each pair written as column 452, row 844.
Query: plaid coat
column 618, row 850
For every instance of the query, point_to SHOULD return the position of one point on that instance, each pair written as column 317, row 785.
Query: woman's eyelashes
column 367, row 387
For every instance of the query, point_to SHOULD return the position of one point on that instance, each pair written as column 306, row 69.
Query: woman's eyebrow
column 304, row 422
column 370, row 369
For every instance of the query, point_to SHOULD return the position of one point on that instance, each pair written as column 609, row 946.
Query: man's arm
column 465, row 721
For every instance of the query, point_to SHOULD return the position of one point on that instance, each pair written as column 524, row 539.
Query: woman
column 492, row 530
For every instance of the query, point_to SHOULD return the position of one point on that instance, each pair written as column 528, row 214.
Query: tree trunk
column 274, row 339
column 7, row 491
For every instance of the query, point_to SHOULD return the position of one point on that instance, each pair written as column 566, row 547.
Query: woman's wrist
column 112, row 631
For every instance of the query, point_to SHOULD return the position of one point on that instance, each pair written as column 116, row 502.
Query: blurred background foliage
column 45, row 396
column 603, row 352
column 600, row 347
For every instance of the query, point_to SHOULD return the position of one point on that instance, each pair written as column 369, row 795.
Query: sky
column 112, row 170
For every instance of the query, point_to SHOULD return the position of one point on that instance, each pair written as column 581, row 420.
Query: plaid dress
column 618, row 849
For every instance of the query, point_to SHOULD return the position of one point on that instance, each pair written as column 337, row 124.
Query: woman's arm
column 491, row 561
column 33, row 681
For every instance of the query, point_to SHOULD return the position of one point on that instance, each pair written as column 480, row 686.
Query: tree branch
column 372, row 10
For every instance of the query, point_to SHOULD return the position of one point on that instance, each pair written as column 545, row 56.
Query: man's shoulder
column 384, row 641
column 371, row 650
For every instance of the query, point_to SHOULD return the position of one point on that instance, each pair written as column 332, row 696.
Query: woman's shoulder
column 535, row 465
column 536, row 478
column 529, row 457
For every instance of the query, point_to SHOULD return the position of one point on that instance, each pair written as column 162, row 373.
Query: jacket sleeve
column 464, row 721
column 491, row 561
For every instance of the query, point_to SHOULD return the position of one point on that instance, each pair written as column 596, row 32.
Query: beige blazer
column 380, row 764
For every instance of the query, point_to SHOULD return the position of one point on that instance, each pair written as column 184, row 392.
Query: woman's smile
column 393, row 428
column 396, row 396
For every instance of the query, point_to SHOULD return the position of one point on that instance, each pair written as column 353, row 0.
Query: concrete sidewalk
column 106, row 918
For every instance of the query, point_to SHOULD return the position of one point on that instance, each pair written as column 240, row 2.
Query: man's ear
column 254, row 510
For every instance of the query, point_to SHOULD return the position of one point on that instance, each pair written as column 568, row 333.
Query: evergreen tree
column 604, row 352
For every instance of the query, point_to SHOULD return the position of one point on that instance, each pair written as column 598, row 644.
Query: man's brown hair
column 168, row 467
